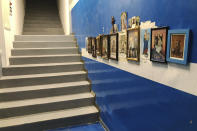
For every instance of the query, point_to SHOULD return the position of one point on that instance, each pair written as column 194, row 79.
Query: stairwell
column 46, row 85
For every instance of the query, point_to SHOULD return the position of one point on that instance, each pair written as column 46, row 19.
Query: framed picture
column 124, row 21
column 113, row 52
column 105, row 47
column 178, row 43
column 122, row 46
column 89, row 44
column 133, row 44
column 98, row 45
column 159, row 44
column 93, row 47
column 145, row 36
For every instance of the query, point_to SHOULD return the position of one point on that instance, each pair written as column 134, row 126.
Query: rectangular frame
column 116, row 35
column 94, row 47
column 89, row 44
column 185, row 32
column 98, row 45
column 107, row 49
column 151, row 50
column 138, row 44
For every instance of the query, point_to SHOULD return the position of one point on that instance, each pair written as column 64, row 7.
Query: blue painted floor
column 91, row 127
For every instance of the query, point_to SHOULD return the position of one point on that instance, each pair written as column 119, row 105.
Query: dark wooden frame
column 115, row 34
column 138, row 49
column 154, row 29
column 89, row 40
column 98, row 42
column 94, row 47
column 107, row 47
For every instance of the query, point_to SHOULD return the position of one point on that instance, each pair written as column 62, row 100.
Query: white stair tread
column 38, row 56
column 45, row 100
column 42, row 75
column 27, row 42
column 48, row 116
column 41, row 87
column 41, row 65
column 45, row 48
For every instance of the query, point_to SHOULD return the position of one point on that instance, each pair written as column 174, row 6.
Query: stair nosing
column 39, row 56
column 44, row 100
column 42, row 65
column 39, row 117
column 47, row 48
column 42, row 75
column 43, row 87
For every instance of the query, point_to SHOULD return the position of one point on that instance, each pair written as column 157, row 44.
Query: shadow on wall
column 132, row 103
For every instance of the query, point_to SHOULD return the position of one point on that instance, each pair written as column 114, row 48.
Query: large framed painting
column 158, row 44
column 89, row 44
column 145, row 36
column 133, row 44
column 98, row 45
column 124, row 21
column 122, row 46
column 178, row 45
column 105, row 47
column 113, row 51
column 93, row 47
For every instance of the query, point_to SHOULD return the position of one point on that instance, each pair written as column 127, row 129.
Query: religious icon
column 114, row 46
column 122, row 46
column 178, row 42
column 124, row 21
column 105, row 47
column 145, row 43
column 133, row 44
column 158, row 44
column 93, row 47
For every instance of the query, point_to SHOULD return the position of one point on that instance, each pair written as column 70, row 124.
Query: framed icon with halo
column 113, row 51
column 105, row 46
column 178, row 45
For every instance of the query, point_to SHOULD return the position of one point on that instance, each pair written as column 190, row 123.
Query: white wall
column 65, row 15
column 16, row 21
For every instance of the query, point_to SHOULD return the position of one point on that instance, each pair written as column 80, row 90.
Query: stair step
column 49, row 120
column 43, row 33
column 51, row 17
column 46, row 104
column 44, row 51
column 27, row 21
column 48, row 30
column 42, row 25
column 41, row 59
column 42, row 68
column 42, row 79
column 42, row 44
column 44, row 38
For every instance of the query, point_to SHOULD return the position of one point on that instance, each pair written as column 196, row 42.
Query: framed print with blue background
column 177, row 48
column 145, row 36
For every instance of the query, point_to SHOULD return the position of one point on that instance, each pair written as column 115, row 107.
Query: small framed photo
column 93, row 47
column 158, row 44
column 133, row 44
column 122, row 46
column 89, row 44
column 105, row 47
column 178, row 45
column 113, row 52
column 145, row 36
column 98, row 45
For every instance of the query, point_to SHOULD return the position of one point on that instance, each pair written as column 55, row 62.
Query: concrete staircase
column 46, row 85
column 42, row 18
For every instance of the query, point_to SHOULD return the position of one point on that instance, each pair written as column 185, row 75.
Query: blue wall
column 132, row 103
column 129, row 102
column 90, row 16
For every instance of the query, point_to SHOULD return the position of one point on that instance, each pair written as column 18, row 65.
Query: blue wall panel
column 90, row 16
column 132, row 103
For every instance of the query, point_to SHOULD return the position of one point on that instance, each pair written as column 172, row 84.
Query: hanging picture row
column 132, row 43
